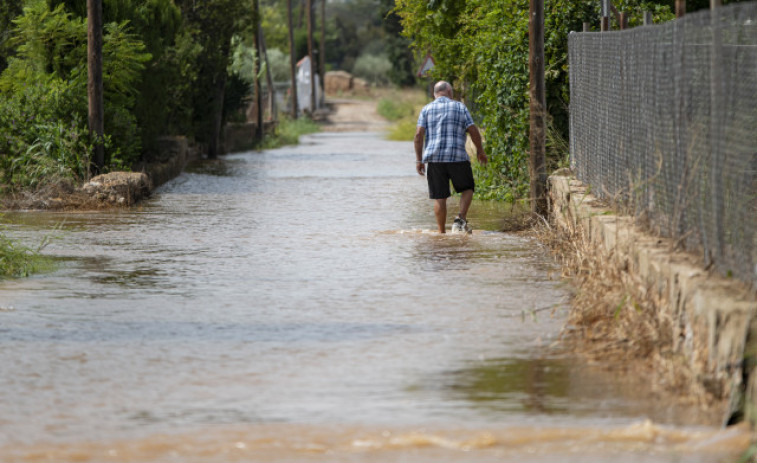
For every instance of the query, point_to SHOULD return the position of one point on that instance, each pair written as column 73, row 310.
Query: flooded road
column 294, row 305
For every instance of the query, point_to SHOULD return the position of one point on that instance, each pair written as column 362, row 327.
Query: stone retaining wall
column 168, row 161
column 714, row 324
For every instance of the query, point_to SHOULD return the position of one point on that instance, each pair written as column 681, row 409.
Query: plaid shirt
column 445, row 122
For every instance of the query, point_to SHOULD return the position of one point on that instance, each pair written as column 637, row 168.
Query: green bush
column 403, row 130
column 376, row 69
column 288, row 132
column 393, row 110
column 43, row 98
column 20, row 261
column 481, row 46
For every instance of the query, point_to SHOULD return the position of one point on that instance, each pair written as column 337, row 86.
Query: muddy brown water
column 294, row 305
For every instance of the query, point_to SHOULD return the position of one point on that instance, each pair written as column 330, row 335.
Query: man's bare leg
column 440, row 210
column 465, row 199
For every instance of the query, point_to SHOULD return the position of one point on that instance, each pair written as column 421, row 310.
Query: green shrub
column 376, row 69
column 403, row 130
column 43, row 98
column 20, row 261
column 481, row 46
column 394, row 110
column 288, row 132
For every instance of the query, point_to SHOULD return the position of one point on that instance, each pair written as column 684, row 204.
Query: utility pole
column 256, row 70
column 292, row 61
column 322, row 57
column 96, row 110
column 537, row 135
column 309, row 12
column 680, row 8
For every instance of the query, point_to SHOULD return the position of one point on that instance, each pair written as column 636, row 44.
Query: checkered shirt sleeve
column 445, row 122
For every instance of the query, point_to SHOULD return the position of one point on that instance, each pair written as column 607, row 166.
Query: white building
column 303, row 86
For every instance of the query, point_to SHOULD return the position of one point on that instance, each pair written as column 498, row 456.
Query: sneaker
column 460, row 226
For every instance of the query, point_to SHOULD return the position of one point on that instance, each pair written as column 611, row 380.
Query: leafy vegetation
column 20, row 261
column 43, row 105
column 402, row 108
column 288, row 132
column 393, row 109
column 164, row 70
column 482, row 47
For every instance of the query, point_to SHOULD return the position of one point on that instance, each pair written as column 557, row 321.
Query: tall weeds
column 17, row 260
column 617, row 319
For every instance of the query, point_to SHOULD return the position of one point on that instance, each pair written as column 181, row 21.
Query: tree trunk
column 258, row 96
column 292, row 61
column 269, row 80
column 96, row 110
column 216, row 120
column 322, row 57
column 309, row 12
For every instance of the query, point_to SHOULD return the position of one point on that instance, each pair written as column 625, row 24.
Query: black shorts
column 439, row 175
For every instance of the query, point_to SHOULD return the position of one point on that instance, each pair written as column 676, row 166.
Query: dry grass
column 117, row 189
column 616, row 320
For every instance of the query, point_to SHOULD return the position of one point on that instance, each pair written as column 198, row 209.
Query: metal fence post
column 717, row 135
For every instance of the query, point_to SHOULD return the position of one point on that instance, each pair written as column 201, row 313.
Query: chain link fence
column 664, row 122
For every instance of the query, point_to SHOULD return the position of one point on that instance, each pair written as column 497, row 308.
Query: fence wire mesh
column 664, row 120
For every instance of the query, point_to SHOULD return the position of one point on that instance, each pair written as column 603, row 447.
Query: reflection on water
column 298, row 297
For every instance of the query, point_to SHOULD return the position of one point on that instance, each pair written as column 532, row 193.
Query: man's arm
column 475, row 137
column 420, row 132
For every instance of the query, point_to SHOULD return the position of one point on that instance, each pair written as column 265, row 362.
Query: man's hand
column 420, row 132
column 482, row 159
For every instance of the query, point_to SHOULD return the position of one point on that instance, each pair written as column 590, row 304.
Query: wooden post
column 623, row 21
column 256, row 70
column 605, row 25
column 322, row 57
column 648, row 18
column 96, row 111
column 587, row 27
column 680, row 8
column 292, row 61
column 537, row 136
column 309, row 13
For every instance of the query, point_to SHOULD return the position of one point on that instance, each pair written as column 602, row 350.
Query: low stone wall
column 714, row 323
column 168, row 161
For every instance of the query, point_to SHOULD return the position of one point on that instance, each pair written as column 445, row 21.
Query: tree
column 212, row 24
column 9, row 10
column 397, row 46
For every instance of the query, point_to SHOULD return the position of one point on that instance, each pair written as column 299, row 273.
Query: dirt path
column 354, row 116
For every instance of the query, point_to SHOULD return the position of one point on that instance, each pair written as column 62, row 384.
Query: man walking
column 443, row 123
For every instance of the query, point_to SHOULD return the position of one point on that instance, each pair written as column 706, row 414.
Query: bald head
column 442, row 88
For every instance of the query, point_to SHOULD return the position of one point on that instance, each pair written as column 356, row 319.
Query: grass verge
column 617, row 320
column 288, row 132
column 402, row 107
